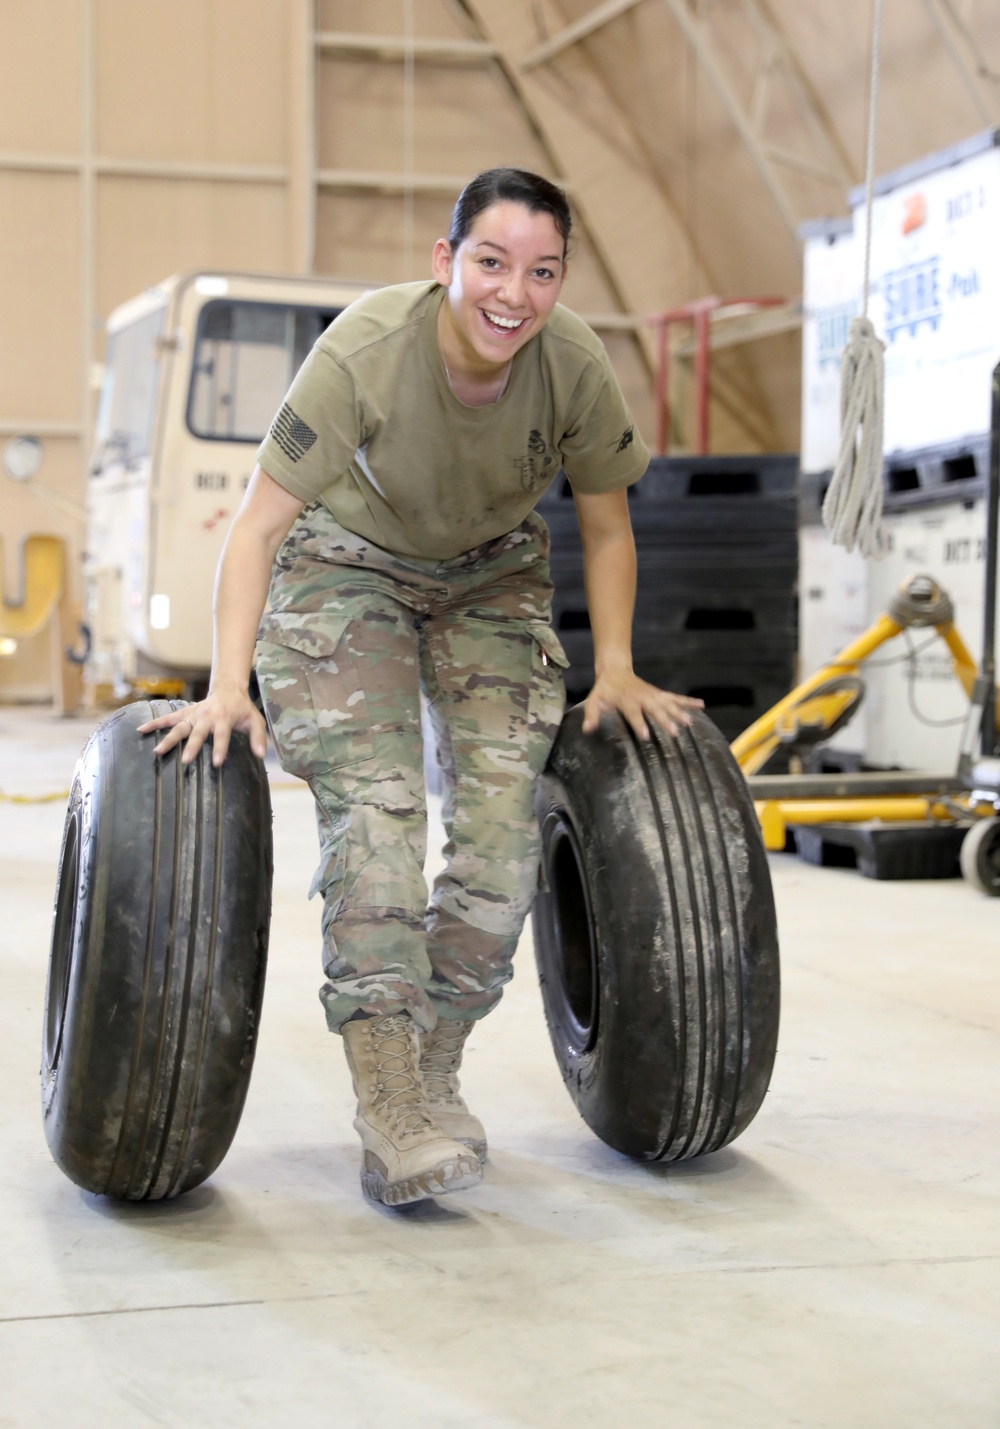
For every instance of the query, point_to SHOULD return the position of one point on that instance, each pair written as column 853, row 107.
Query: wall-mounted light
column 23, row 457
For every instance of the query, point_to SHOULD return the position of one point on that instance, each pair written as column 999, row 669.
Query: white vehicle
column 195, row 370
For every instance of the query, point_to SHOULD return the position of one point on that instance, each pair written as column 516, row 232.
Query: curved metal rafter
column 637, row 188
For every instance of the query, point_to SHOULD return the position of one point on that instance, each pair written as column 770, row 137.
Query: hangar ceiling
column 694, row 136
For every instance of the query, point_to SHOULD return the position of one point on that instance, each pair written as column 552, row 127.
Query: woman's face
column 503, row 281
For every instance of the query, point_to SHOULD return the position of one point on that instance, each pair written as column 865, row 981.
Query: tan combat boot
column 440, row 1059
column 406, row 1154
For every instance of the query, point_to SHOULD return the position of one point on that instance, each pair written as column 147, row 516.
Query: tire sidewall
column 62, row 1086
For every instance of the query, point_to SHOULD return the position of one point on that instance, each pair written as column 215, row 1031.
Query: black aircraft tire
column 156, row 972
column 656, row 937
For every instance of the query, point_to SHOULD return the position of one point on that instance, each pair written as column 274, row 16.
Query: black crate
column 713, row 478
column 716, row 604
column 700, row 477
column 932, row 475
column 690, row 649
column 885, row 851
column 710, row 523
column 721, row 522
column 715, row 647
column 687, row 575
column 715, row 612
column 925, row 476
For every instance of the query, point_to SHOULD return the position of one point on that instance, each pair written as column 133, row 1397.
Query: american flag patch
column 293, row 436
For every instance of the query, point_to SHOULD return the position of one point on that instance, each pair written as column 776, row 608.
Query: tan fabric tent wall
column 293, row 136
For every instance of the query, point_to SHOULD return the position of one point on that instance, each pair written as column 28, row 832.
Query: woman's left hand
column 638, row 702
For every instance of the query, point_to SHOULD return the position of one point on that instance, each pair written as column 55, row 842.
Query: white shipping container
column 833, row 612
column 916, row 707
column 935, row 302
column 831, row 297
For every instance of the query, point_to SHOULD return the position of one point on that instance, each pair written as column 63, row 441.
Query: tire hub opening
column 63, row 937
column 575, row 934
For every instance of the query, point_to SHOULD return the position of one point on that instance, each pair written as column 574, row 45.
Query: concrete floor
column 839, row 1266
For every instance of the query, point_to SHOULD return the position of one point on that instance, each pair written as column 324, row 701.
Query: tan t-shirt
column 371, row 428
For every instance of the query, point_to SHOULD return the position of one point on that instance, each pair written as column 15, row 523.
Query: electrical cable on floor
column 52, row 798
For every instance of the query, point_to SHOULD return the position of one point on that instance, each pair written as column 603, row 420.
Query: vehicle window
column 246, row 355
column 128, row 393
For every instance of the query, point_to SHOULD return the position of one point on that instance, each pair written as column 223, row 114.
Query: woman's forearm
column 609, row 573
column 241, row 586
column 243, row 577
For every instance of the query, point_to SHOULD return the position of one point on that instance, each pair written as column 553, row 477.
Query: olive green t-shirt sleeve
column 601, row 447
column 318, row 429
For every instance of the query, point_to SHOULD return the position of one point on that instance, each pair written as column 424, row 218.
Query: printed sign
column 935, row 301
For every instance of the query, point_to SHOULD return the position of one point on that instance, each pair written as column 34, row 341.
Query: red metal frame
column 699, row 313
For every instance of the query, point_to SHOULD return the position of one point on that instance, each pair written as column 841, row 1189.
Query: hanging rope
column 852, row 511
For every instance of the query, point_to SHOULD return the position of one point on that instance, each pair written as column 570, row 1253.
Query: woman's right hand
column 222, row 711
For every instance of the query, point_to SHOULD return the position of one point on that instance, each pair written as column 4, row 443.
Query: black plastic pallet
column 674, row 519
column 914, row 849
column 708, row 478
column 716, row 606
column 728, row 610
column 926, row 476
column 712, row 478
column 717, row 610
column 675, row 514
column 686, row 649
column 727, row 563
column 683, row 579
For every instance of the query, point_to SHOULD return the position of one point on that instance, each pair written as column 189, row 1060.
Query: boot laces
column 440, row 1060
column 398, row 1091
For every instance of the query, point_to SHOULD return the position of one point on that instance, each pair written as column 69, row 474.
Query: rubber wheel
column 156, row 972
column 980, row 857
column 656, row 937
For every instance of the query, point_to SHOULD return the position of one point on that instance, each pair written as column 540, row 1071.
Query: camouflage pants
column 351, row 637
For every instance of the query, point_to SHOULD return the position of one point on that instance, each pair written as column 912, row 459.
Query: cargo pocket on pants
column 547, row 702
column 313, row 697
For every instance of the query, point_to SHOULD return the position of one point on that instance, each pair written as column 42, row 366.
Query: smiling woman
column 503, row 266
column 390, row 530
column 502, row 282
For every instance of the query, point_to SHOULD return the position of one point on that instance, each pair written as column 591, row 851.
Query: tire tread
column 690, row 959
column 167, row 974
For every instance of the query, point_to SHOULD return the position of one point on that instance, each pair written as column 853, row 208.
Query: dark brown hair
column 509, row 185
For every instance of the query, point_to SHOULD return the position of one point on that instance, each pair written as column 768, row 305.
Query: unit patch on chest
column 539, row 463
